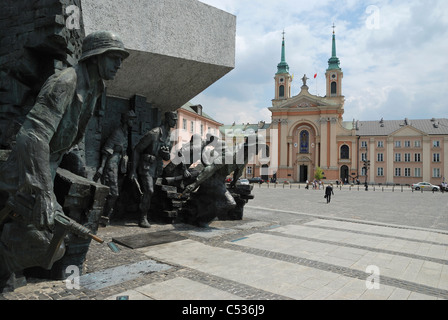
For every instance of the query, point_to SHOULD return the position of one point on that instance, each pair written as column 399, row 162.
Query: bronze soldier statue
column 54, row 125
column 114, row 161
column 147, row 163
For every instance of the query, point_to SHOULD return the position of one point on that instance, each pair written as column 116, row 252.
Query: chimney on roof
column 197, row 108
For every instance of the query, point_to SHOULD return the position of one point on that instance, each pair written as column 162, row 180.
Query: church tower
column 282, row 78
column 334, row 73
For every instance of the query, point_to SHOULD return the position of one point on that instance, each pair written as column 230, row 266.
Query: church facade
column 310, row 132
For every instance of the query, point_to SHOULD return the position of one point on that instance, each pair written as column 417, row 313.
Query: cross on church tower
column 333, row 27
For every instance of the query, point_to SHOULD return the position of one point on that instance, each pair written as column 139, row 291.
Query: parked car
column 425, row 186
column 242, row 182
column 256, row 180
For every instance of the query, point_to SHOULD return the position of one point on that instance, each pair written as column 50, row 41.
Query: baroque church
column 311, row 133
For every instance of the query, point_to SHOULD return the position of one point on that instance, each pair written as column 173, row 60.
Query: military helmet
column 100, row 42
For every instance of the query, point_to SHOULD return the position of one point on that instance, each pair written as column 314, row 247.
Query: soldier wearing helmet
column 147, row 165
column 55, row 124
column 114, row 161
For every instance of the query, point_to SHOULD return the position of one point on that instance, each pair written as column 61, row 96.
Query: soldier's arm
column 33, row 143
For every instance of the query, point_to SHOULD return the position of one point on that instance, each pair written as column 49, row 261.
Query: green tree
column 319, row 174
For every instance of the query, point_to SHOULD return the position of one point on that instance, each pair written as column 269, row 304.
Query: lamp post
column 366, row 168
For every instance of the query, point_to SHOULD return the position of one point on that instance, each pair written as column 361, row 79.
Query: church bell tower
column 334, row 73
column 282, row 78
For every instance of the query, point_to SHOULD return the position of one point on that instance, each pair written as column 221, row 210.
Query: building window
column 345, row 152
column 304, row 141
column 417, row 172
column 380, row 172
column 249, row 170
column 436, row 144
column 407, row 172
column 281, row 90
column 380, row 157
column 363, row 144
column 184, row 124
column 417, row 157
column 436, row 173
column 407, row 144
column 417, row 143
column 380, row 144
column 333, row 88
column 398, row 157
column 363, row 156
column 202, row 130
column 192, row 127
column 407, row 157
column 363, row 171
column 398, row 172
column 436, row 157
column 397, row 144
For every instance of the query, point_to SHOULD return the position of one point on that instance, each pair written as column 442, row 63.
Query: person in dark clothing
column 329, row 192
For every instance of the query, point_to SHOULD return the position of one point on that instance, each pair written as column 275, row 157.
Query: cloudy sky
column 394, row 55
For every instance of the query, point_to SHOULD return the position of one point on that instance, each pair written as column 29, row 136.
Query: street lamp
column 366, row 168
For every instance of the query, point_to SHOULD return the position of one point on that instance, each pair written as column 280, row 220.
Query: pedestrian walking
column 329, row 192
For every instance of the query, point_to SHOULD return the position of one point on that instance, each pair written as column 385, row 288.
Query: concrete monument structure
column 177, row 47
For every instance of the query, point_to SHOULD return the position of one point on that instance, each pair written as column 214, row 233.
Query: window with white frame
column 407, row 172
column 398, row 172
column 417, row 157
column 192, row 126
column 380, row 157
column 363, row 156
column 407, row 157
column 398, row 144
column 407, row 144
column 417, row 143
column 380, row 144
column 363, row 171
column 398, row 157
column 184, row 124
column 363, row 144
column 436, row 157
column 436, row 172
column 380, row 172
column 436, row 143
column 417, row 172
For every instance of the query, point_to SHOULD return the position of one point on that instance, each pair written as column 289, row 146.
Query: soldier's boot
column 5, row 274
column 143, row 223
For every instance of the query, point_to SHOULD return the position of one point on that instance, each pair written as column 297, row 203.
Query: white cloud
column 395, row 71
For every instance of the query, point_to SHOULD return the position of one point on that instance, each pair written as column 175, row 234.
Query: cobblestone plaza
column 291, row 245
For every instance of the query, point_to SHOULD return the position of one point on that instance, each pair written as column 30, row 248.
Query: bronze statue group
column 56, row 124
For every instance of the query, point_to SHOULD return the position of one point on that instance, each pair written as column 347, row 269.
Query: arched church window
column 304, row 141
column 333, row 88
column 282, row 91
column 345, row 152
